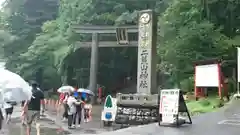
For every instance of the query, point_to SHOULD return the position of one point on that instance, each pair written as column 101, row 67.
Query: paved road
column 206, row 124
column 95, row 126
column 15, row 128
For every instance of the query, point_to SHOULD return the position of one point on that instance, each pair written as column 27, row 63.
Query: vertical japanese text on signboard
column 144, row 70
column 144, row 52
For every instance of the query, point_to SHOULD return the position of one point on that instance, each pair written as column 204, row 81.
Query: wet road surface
column 51, row 124
column 95, row 126
column 16, row 128
column 206, row 124
column 48, row 127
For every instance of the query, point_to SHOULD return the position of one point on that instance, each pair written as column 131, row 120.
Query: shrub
column 219, row 103
column 187, row 85
column 204, row 102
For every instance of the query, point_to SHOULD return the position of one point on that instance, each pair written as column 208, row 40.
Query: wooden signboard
column 171, row 103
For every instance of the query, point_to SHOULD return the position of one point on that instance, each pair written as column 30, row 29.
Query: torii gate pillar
column 94, row 63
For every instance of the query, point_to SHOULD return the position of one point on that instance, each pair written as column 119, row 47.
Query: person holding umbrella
column 14, row 87
column 64, row 94
column 87, row 109
column 85, row 93
column 78, row 113
column 71, row 107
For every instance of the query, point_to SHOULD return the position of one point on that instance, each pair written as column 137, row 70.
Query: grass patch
column 205, row 105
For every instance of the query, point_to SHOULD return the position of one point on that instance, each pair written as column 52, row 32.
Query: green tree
column 190, row 36
column 24, row 20
column 97, row 13
column 188, row 31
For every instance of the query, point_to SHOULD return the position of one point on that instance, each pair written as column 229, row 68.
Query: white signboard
column 112, row 110
column 207, row 75
column 169, row 103
column 168, row 118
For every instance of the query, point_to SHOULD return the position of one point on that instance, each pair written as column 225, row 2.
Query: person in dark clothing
column 65, row 113
column 8, row 111
column 34, row 108
column 1, row 119
column 78, row 114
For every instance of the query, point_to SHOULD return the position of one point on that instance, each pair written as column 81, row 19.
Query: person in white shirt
column 71, row 103
column 8, row 111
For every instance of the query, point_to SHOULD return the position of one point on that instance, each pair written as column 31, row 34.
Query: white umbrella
column 65, row 89
column 13, row 87
column 82, row 90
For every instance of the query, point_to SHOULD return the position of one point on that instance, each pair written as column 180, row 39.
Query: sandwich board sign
column 171, row 103
column 109, row 111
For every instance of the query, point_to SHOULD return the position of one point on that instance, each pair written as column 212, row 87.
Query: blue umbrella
column 82, row 90
column 75, row 94
column 84, row 95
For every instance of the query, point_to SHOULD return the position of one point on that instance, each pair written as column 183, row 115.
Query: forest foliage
column 38, row 41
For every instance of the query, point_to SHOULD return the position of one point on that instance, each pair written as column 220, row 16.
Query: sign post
column 171, row 103
column 208, row 73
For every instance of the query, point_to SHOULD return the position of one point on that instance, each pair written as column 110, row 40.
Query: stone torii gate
column 146, row 29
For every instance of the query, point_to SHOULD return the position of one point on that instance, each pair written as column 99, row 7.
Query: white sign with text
column 169, row 104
